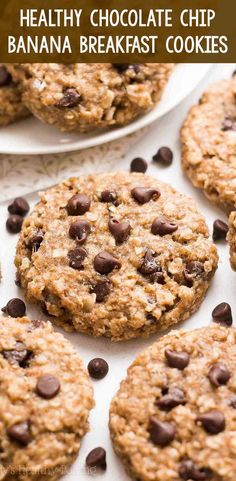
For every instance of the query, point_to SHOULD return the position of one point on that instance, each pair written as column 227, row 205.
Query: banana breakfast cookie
column 232, row 238
column 11, row 106
column 209, row 144
column 83, row 97
column 174, row 417
column 121, row 255
column 45, row 398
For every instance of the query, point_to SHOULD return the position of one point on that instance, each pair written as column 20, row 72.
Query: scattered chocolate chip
column 119, row 229
column 229, row 124
column 213, row 422
column 80, row 230
column 188, row 470
column 162, row 226
column 104, row 263
column 232, row 402
column 161, row 433
column 164, row 156
column 143, row 195
column 173, row 398
column 79, row 204
column 98, row 368
column 5, row 77
column 76, row 258
column 193, row 270
column 150, row 266
column 71, row 98
column 223, row 314
column 15, row 308
column 20, row 355
column 19, row 206
column 48, row 386
column 109, row 196
column 218, row 374
column 101, row 289
column 36, row 240
column 121, row 67
column 138, row 165
column 14, row 223
column 97, row 459
column 20, row 433
column 179, row 360
column 220, row 230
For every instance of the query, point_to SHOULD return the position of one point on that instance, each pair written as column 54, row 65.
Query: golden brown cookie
column 11, row 106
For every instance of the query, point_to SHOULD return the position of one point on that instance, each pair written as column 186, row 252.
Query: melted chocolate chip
column 119, row 229
column 15, row 308
column 80, row 230
column 36, row 240
column 223, row 314
column 5, row 77
column 101, row 289
column 20, row 433
column 109, row 196
column 162, row 226
column 143, row 195
column 150, row 266
column 76, row 258
column 229, row 124
column 104, row 263
column 19, row 206
column 164, row 156
column 193, row 270
column 188, row 470
column 97, row 459
column 138, row 165
column 161, row 433
column 178, row 360
column 98, row 368
column 219, row 374
column 121, row 67
column 14, row 223
column 213, row 422
column 79, row 204
column 71, row 98
column 173, row 398
column 220, row 230
column 48, row 386
column 20, row 355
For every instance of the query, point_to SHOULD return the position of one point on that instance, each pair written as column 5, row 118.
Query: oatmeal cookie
column 11, row 106
column 232, row 238
column 121, row 255
column 209, row 144
column 45, row 398
column 83, row 97
column 174, row 416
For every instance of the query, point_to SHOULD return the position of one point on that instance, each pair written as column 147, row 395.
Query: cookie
column 209, row 144
column 11, row 106
column 45, row 398
column 83, row 97
column 232, row 238
column 174, row 416
column 119, row 255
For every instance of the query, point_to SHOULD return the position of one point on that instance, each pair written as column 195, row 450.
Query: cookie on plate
column 232, row 239
column 174, row 416
column 84, row 97
column 11, row 106
column 45, row 399
column 209, row 144
column 120, row 255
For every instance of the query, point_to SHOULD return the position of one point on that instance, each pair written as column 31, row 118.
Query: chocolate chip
column 98, row 368
column 179, row 360
column 232, row 402
column 213, row 422
column 119, row 229
column 15, row 308
column 80, row 230
column 97, row 459
column 188, row 470
column 173, row 398
column 161, row 433
column 5, row 77
column 109, row 196
column 76, row 258
column 164, row 156
column 36, row 240
column 48, row 386
column 20, row 355
column 19, row 206
column 101, row 289
column 79, row 204
column 193, row 270
column 218, row 374
column 143, row 195
column 150, row 267
column 162, row 226
column 20, row 433
column 121, row 67
column 71, row 98
column 229, row 124
column 104, row 263
column 223, row 314
column 138, row 165
column 14, row 224
column 220, row 230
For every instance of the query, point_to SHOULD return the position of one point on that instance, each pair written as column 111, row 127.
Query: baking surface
column 119, row 356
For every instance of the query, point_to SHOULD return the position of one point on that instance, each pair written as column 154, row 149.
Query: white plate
column 30, row 136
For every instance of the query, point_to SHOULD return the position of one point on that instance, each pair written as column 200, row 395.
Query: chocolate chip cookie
column 232, row 238
column 174, row 416
column 45, row 398
column 209, row 144
column 82, row 97
column 120, row 255
column 11, row 106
